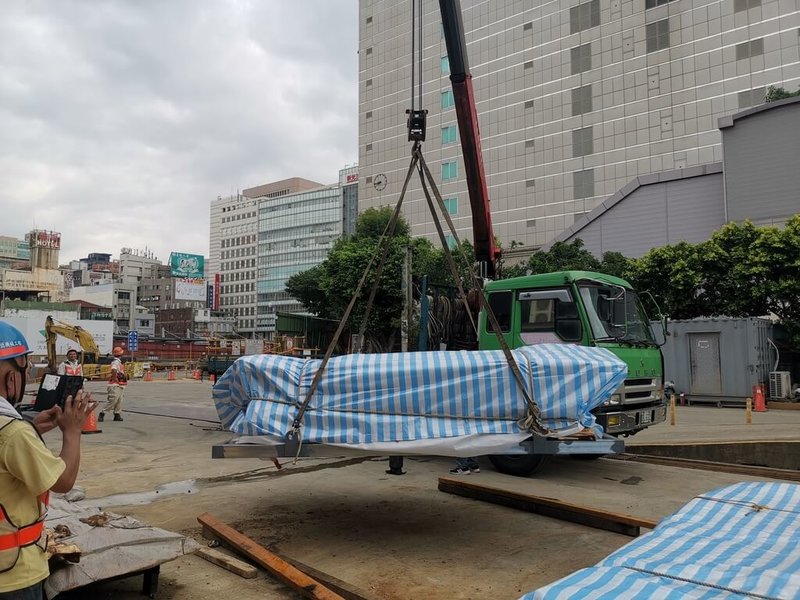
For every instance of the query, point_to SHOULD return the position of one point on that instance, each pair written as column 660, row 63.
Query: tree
column 562, row 256
column 776, row 265
column 778, row 93
column 672, row 275
column 327, row 289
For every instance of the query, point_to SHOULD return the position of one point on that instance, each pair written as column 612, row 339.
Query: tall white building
column 575, row 99
column 233, row 249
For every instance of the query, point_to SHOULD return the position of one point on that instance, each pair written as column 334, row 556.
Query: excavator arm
column 486, row 252
column 75, row 333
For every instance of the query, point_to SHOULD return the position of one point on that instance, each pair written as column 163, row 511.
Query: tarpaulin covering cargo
column 446, row 403
column 740, row 541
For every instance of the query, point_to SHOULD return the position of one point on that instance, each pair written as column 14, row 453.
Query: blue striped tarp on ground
column 366, row 398
column 740, row 541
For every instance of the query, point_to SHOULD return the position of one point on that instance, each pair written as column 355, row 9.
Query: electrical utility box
column 718, row 360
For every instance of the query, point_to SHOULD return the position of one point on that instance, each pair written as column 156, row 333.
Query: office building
column 575, row 100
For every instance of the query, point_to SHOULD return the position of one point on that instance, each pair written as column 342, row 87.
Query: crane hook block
column 416, row 125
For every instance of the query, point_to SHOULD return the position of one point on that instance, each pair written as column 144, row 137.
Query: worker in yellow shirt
column 28, row 470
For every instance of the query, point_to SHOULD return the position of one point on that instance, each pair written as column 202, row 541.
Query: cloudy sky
column 121, row 120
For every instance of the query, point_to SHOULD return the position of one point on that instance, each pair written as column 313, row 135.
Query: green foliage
column 778, row 93
column 741, row 271
column 561, row 257
column 372, row 222
column 326, row 289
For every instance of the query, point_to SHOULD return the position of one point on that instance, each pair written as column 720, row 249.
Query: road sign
column 133, row 340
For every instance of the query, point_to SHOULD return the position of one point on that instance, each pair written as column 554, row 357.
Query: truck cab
column 588, row 309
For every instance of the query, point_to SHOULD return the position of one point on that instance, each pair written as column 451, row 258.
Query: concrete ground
column 394, row 537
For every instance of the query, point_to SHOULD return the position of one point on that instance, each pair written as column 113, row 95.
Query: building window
column 527, row 26
column 451, row 241
column 529, row 183
column 369, row 114
column 751, row 48
column 752, row 97
column 653, row 3
column 581, row 100
column 449, row 170
column 583, row 183
column 447, row 99
column 369, row 50
column 658, row 35
column 584, row 16
column 451, row 204
column 528, row 104
column 581, row 58
column 528, row 65
column 369, row 82
column 368, row 147
column 582, row 142
column 530, row 143
column 740, row 5
column 369, row 20
column 445, row 66
column 449, row 134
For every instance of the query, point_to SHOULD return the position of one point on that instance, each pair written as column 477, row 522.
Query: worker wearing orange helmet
column 28, row 470
column 116, row 387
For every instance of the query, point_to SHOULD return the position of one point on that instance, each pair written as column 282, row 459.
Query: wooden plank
column 549, row 507
column 229, row 563
column 305, row 585
column 344, row 589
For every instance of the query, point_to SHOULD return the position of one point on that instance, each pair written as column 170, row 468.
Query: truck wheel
column 519, row 465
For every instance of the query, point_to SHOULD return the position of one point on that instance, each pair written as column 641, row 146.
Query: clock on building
column 379, row 181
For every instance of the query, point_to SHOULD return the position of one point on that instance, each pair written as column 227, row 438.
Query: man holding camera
column 28, row 470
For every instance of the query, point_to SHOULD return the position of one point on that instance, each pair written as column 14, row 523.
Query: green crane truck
column 589, row 309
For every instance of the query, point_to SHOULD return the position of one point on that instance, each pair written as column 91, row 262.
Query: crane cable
column 532, row 420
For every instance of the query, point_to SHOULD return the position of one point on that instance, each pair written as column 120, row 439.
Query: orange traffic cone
column 212, row 378
column 148, row 376
column 196, row 374
column 90, row 424
column 172, row 375
column 759, row 401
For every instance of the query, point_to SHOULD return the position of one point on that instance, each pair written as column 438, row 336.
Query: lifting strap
column 293, row 439
column 533, row 420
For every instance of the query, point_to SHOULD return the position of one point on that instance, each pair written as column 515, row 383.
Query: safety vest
column 14, row 537
column 112, row 378
column 70, row 369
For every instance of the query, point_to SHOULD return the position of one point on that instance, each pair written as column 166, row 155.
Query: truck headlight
column 614, row 400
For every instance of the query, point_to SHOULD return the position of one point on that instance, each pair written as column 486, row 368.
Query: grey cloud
column 122, row 120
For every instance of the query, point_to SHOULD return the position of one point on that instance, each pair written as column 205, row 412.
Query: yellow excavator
column 90, row 353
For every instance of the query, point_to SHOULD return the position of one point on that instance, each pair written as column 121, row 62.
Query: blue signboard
column 133, row 340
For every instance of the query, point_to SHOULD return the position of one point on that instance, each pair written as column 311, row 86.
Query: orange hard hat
column 118, row 351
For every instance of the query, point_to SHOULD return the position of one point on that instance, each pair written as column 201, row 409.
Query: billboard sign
column 217, row 280
column 190, row 289
column 187, row 265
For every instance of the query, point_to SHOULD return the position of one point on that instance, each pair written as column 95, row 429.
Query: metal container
column 718, row 360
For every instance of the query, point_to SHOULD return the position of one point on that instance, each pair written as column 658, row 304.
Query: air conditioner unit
column 780, row 384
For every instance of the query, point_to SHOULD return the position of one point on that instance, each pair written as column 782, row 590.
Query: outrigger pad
column 364, row 399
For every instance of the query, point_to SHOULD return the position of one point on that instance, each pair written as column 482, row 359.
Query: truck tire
column 519, row 465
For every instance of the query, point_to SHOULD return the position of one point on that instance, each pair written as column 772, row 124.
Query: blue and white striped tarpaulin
column 740, row 541
column 363, row 399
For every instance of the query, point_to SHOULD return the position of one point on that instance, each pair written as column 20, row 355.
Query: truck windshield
column 616, row 314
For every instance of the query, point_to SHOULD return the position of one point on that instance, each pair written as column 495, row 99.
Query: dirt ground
column 393, row 537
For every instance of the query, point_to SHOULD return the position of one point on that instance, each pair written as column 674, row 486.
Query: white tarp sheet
column 447, row 403
column 740, row 541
